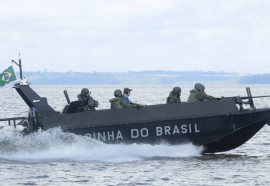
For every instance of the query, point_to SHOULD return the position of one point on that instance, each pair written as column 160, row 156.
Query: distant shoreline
column 143, row 78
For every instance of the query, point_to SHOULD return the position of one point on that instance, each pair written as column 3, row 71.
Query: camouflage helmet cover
column 117, row 93
column 84, row 91
column 199, row 86
column 176, row 91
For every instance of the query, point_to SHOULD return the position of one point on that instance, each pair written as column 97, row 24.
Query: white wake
column 55, row 145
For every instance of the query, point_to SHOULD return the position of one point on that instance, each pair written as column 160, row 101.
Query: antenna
column 19, row 65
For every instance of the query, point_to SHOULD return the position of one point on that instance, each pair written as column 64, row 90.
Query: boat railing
column 13, row 121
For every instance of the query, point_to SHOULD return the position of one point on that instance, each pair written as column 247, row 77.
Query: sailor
column 125, row 98
column 87, row 102
column 174, row 96
column 198, row 94
column 118, row 102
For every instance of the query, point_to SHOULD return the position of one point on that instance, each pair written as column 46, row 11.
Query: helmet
column 176, row 91
column 117, row 93
column 196, row 85
column 199, row 86
column 84, row 91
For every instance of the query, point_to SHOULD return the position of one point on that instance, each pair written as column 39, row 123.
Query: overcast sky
column 125, row 35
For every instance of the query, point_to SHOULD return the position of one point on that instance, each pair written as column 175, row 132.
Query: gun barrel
column 255, row 97
column 244, row 97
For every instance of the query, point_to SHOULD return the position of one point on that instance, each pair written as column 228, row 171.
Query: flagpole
column 19, row 65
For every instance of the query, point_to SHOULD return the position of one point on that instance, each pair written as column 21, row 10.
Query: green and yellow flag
column 7, row 76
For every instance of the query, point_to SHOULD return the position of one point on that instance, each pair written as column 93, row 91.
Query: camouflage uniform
column 88, row 103
column 174, row 96
column 198, row 94
column 118, row 102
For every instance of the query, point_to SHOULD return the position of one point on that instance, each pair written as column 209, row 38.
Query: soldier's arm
column 124, row 105
column 79, row 97
column 170, row 100
column 91, row 102
column 136, row 104
column 203, row 96
column 208, row 97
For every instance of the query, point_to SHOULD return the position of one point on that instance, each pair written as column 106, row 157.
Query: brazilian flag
column 7, row 76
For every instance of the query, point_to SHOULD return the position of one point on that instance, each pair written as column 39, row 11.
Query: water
column 56, row 158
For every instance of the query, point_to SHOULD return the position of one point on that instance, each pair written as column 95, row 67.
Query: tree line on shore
column 143, row 78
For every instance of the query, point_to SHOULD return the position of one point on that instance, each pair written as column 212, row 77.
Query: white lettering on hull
column 165, row 130
column 119, row 135
column 106, row 136
column 136, row 133
column 176, row 130
column 184, row 129
column 158, row 131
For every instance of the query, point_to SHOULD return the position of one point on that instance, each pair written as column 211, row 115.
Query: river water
column 56, row 158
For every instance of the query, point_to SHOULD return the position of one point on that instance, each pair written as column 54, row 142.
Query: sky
column 136, row 35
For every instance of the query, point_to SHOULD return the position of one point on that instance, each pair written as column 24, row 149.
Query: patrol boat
column 218, row 126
